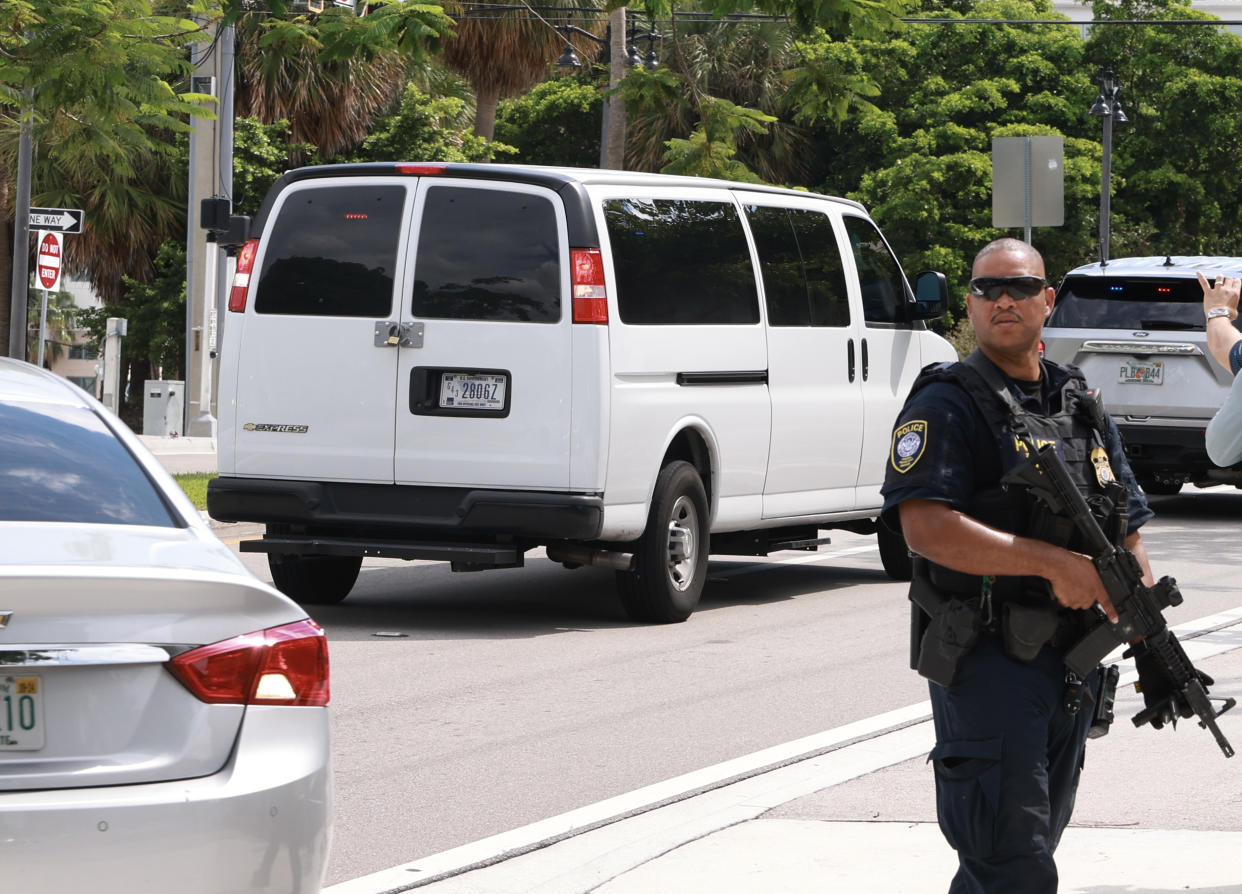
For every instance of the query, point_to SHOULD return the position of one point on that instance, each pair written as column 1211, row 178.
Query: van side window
column 487, row 254
column 332, row 252
column 803, row 278
column 879, row 275
column 681, row 262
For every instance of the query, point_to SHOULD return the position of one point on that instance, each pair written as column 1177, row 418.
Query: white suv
column 1135, row 327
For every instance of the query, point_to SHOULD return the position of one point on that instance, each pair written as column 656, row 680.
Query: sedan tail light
column 286, row 665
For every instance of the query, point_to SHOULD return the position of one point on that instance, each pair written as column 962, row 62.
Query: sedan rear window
column 1128, row 302
column 62, row 464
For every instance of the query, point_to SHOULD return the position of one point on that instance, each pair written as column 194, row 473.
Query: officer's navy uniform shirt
column 958, row 455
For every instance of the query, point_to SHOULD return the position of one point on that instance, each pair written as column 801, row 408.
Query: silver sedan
column 163, row 713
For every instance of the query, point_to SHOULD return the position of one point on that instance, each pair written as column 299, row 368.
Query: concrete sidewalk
column 183, row 455
column 1159, row 811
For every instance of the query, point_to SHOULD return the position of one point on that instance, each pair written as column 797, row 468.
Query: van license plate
column 21, row 714
column 1135, row 373
column 473, row 392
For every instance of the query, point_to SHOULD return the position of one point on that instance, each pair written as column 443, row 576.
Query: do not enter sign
column 49, row 259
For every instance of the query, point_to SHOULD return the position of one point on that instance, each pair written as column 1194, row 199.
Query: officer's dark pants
column 1007, row 760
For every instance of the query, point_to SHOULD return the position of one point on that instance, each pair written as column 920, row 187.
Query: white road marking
column 756, row 782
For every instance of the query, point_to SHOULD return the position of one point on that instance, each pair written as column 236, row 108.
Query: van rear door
column 315, row 383
column 485, row 368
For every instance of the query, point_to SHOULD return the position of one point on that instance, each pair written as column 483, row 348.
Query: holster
column 1026, row 628
column 1105, row 695
column 943, row 627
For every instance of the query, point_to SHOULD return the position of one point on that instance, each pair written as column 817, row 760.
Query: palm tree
column 282, row 73
column 741, row 63
column 503, row 54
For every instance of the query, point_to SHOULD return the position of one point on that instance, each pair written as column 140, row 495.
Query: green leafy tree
column 710, row 150
column 98, row 77
column 1177, row 161
column 261, row 152
column 426, row 128
column 155, row 343
column 555, row 123
column 919, row 154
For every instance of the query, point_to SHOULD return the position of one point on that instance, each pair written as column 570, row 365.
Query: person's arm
column 951, row 538
column 1221, row 334
column 1224, row 433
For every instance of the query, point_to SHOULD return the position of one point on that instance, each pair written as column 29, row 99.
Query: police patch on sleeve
column 909, row 439
column 1103, row 470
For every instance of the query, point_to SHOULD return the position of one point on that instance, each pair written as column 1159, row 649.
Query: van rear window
column 681, row 263
column 332, row 252
column 1128, row 302
column 487, row 254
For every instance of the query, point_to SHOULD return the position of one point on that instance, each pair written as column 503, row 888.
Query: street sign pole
column 42, row 327
column 48, row 265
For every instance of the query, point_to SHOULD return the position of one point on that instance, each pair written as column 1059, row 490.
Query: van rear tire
column 894, row 554
column 314, row 580
column 670, row 562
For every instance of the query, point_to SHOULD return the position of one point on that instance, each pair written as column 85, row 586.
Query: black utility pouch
column 947, row 630
column 1105, row 695
column 1026, row 628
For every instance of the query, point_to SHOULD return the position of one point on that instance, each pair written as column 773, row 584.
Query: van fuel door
column 390, row 334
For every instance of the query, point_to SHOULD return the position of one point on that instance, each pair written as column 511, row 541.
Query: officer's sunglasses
column 1019, row 287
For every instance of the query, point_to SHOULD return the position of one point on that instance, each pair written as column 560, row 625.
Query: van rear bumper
column 451, row 511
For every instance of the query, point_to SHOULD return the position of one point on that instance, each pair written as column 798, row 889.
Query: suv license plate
column 21, row 714
column 1133, row 373
column 473, row 392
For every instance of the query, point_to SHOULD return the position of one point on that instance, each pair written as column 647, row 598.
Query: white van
column 465, row 362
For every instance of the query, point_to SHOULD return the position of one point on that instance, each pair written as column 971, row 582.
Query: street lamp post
column 1108, row 107
column 621, row 53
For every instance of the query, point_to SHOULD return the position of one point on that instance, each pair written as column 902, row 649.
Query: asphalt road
column 466, row 705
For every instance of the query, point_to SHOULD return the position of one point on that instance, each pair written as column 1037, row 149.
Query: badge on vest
column 1103, row 471
column 909, row 439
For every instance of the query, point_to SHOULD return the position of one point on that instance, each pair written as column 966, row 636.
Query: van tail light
column 590, row 298
column 1041, row 347
column 241, row 278
column 285, row 665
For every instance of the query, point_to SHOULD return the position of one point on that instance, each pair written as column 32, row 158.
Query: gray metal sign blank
column 1028, row 181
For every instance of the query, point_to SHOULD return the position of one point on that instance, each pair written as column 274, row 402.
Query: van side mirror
column 931, row 296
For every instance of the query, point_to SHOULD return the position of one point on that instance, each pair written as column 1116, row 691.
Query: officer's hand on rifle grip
column 1076, row 584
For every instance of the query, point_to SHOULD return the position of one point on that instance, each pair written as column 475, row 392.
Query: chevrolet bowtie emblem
column 4, row 619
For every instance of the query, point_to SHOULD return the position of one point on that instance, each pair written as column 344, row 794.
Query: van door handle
column 866, row 363
column 390, row 334
column 850, row 360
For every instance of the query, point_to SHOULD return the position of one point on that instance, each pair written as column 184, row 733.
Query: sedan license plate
column 471, row 391
column 1134, row 373
column 21, row 714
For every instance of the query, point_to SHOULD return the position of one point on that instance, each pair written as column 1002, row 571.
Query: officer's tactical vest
column 1076, row 424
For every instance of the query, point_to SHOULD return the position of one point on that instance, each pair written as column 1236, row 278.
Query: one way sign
column 62, row 220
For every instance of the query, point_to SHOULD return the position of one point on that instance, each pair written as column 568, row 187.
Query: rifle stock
column 1139, row 607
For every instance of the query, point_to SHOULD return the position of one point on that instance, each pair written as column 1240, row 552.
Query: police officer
column 999, row 590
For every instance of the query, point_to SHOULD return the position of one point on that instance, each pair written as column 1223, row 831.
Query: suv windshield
column 1128, row 302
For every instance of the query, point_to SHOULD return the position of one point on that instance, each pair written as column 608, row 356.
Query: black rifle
column 1139, row 607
